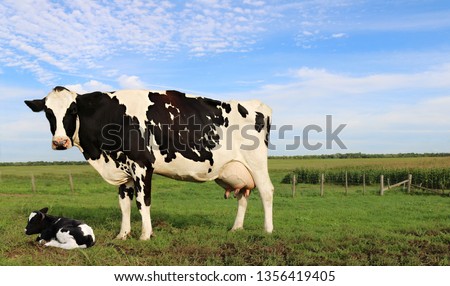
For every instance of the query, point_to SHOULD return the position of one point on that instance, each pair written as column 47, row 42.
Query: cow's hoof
column 145, row 236
column 236, row 229
column 123, row 236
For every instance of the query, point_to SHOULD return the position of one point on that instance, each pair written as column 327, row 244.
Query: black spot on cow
column 106, row 157
column 104, row 126
column 137, row 184
column 242, row 110
column 185, row 125
column 141, row 184
column 69, row 120
column 259, row 121
column 124, row 191
column 226, row 106
column 120, row 159
column 147, row 180
column 209, row 170
column 51, row 119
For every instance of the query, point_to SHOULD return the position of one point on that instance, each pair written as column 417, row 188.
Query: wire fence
column 435, row 180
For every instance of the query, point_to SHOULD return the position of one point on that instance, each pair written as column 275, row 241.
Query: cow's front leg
column 143, row 201
column 126, row 193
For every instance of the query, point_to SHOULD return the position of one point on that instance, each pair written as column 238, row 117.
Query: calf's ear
column 36, row 105
column 44, row 210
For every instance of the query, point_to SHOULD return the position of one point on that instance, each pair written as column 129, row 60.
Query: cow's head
column 36, row 222
column 61, row 110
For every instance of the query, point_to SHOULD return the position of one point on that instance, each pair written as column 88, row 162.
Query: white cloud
column 131, row 82
column 89, row 86
column 322, row 82
column 339, row 35
column 254, row 2
column 80, row 34
column 212, row 26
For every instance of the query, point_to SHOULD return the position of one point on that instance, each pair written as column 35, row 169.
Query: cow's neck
column 49, row 220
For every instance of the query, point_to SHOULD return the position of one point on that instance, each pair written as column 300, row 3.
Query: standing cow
column 129, row 135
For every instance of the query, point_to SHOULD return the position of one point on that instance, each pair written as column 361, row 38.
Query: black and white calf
column 59, row 231
column 129, row 135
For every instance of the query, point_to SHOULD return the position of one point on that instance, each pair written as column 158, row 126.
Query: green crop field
column 191, row 220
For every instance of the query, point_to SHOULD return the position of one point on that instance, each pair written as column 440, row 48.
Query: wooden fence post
column 294, row 182
column 71, row 182
column 409, row 183
column 322, row 180
column 381, row 185
column 33, row 184
column 346, row 183
column 364, row 183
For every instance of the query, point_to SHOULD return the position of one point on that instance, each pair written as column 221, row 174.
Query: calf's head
column 61, row 111
column 36, row 222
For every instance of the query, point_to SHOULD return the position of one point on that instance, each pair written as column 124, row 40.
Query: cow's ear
column 36, row 105
column 44, row 210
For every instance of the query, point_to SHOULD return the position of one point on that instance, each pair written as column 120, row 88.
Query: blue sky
column 380, row 67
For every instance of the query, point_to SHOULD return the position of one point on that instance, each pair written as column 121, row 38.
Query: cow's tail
column 268, row 122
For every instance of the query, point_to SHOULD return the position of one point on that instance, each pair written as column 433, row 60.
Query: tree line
column 362, row 155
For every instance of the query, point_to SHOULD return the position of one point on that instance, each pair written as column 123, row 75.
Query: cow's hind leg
column 126, row 193
column 64, row 239
column 265, row 188
column 242, row 207
column 69, row 244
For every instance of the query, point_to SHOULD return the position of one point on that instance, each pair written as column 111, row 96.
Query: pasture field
column 191, row 221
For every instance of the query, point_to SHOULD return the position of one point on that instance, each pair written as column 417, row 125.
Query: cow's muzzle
column 61, row 143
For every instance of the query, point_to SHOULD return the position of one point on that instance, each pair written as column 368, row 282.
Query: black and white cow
column 59, row 231
column 129, row 135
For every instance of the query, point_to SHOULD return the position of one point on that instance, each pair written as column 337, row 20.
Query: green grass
column 191, row 222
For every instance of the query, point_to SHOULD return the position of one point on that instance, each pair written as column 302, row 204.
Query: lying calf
column 59, row 231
